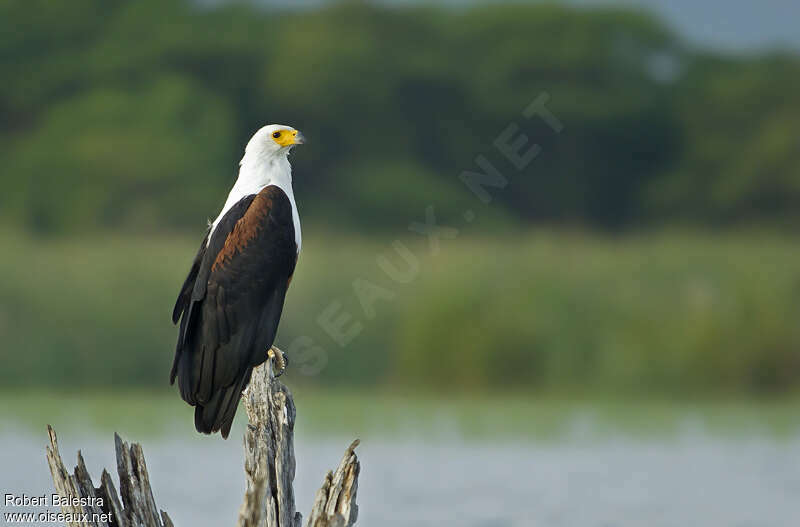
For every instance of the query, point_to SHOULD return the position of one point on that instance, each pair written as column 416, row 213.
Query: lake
column 693, row 475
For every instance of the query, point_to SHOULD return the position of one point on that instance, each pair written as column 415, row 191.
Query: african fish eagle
column 231, row 302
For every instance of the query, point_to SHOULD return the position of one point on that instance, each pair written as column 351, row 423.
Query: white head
column 273, row 140
column 265, row 163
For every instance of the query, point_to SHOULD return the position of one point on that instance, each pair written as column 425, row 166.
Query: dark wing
column 188, row 284
column 230, row 318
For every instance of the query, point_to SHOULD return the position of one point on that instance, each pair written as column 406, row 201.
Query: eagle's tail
column 217, row 414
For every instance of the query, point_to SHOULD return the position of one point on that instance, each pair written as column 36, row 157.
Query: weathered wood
column 102, row 506
column 70, row 485
column 139, row 506
column 269, row 453
column 335, row 503
column 269, row 469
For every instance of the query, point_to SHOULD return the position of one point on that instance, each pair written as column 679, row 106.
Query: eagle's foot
column 280, row 358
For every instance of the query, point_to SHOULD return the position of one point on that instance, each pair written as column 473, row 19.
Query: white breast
column 255, row 174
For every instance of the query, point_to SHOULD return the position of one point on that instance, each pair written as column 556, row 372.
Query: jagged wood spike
column 137, row 507
column 269, row 468
column 335, row 503
column 111, row 499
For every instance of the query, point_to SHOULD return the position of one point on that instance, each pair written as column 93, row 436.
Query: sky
column 727, row 25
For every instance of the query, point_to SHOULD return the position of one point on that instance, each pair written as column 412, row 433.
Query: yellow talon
column 279, row 358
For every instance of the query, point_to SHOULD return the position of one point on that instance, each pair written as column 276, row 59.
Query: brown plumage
column 230, row 305
column 246, row 228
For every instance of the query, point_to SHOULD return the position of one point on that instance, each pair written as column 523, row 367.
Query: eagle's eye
column 276, row 135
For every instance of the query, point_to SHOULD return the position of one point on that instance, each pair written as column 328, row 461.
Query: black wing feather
column 188, row 284
column 231, row 316
column 194, row 287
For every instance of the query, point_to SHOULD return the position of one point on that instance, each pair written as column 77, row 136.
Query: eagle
column 231, row 301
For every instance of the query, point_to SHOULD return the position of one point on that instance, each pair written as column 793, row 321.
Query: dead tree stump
column 137, row 507
column 269, row 469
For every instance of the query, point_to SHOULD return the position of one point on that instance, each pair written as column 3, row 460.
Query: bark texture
column 269, row 471
column 136, row 508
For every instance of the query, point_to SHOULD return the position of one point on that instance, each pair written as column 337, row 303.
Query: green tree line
column 133, row 115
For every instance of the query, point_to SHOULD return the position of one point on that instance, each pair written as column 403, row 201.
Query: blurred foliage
column 123, row 123
column 669, row 315
column 132, row 115
column 742, row 156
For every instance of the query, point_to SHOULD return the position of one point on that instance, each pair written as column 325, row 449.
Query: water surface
column 581, row 480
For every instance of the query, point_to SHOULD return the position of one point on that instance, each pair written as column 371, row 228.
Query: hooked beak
column 299, row 138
